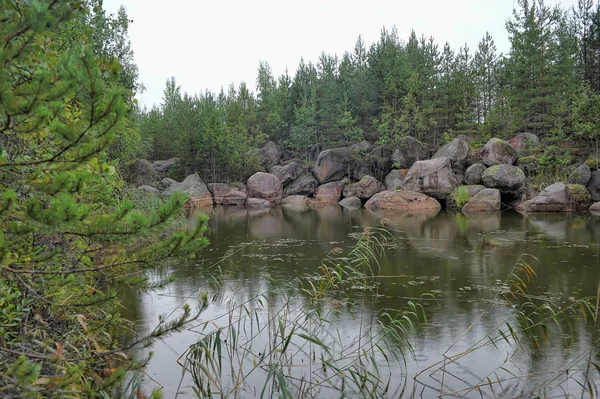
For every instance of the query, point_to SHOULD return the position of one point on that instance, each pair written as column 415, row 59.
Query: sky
column 211, row 44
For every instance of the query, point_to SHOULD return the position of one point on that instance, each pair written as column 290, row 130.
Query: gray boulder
column 149, row 190
column 498, row 152
column 524, row 141
column 409, row 151
column 393, row 181
column 296, row 202
column 270, row 155
column 351, row 203
column 195, row 188
column 474, row 173
column 581, row 175
column 265, row 186
column 305, row 184
column 329, row 193
column 164, row 165
column 456, row 151
column 331, row 165
column 139, row 172
column 287, row 173
column 486, row 200
column 461, row 196
column 433, row 177
column 218, row 191
column 314, row 152
column 555, row 198
column 593, row 185
column 509, row 179
column 239, row 186
column 235, row 197
column 406, row 202
column 360, row 148
column 364, row 189
column 166, row 183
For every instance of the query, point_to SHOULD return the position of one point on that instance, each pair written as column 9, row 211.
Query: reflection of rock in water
column 269, row 223
column 553, row 226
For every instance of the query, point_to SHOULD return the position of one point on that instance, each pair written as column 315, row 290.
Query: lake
column 501, row 296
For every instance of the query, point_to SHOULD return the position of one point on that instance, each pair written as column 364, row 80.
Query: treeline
column 548, row 84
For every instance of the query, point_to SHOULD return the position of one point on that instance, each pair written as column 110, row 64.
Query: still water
column 457, row 268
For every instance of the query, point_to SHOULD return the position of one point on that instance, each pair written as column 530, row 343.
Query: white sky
column 210, row 44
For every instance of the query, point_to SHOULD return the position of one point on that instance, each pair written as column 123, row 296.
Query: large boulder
column 486, row 200
column 595, row 207
column 555, row 198
column 433, row 177
column 265, row 186
column 164, row 165
column 329, row 193
column 239, row 186
column 474, row 157
column 258, row 203
column 460, row 196
column 218, row 191
column 581, row 175
column 287, row 173
column 593, row 185
column 140, row 172
column 296, row 202
column 364, row 189
column 235, row 197
column 195, row 188
column 305, row 184
column 509, row 179
column 149, row 190
column 351, row 203
column 581, row 196
column 331, row 165
column 408, row 151
column 377, row 162
column 456, row 151
column 403, row 202
column 393, row 181
column 270, row 155
column 166, row 183
column 524, row 141
column 474, row 173
column 360, row 148
column 498, row 152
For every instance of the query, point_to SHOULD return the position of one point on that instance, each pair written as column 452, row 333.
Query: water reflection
column 464, row 260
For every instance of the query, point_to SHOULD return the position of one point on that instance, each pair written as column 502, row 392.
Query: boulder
column 393, row 181
column 164, row 166
column 474, row 173
column 314, row 152
column 474, row 157
column 195, row 188
column 149, row 190
column 351, row 203
column 218, row 191
column 524, row 141
column 403, row 202
column 486, row 200
column 409, row 151
column 329, row 193
column 305, row 184
column 166, row 183
column 270, row 155
column 460, row 196
column 498, row 152
column 595, row 207
column 581, row 175
column 139, row 172
column 331, row 165
column 238, row 185
column 265, row 186
column 364, row 189
column 581, row 196
column 377, row 163
column 456, row 151
column 287, row 173
column 593, row 185
column 555, row 198
column 360, row 148
column 509, row 179
column 296, row 201
column 433, row 177
column 235, row 197
column 257, row 203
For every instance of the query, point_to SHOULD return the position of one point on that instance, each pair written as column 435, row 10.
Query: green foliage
column 462, row 196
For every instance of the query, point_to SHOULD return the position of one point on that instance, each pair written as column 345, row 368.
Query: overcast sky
column 210, row 44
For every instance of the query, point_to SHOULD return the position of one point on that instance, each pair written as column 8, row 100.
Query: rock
column 364, row 189
column 265, row 186
column 409, row 151
column 239, row 186
column 403, row 202
column 460, row 196
column 235, row 197
column 140, row 172
column 164, row 166
column 486, row 200
column 287, row 173
column 555, row 198
column 331, row 165
column 149, row 190
column 581, row 175
column 166, row 183
column 195, row 188
column 593, row 185
column 433, row 177
column 529, row 165
column 474, row 157
column 393, row 181
column 257, row 203
column 522, row 207
column 595, row 207
column 581, row 196
column 456, row 151
column 305, row 184
column 351, row 203
column 296, row 201
column 474, row 173
column 509, row 179
column 329, row 193
column 271, row 154
column 360, row 148
column 314, row 152
column 218, row 191
column 498, row 152
column 524, row 141
column 377, row 163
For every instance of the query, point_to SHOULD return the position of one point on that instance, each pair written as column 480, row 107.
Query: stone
column 524, row 141
column 139, row 172
column 581, row 175
column 509, row 179
column 593, row 185
column 581, row 196
column 474, row 174
column 218, row 191
column 257, row 203
column 166, row 183
column 461, row 195
column 498, row 152
column 305, row 184
column 287, row 173
column 473, row 157
column 164, row 165
column 403, row 202
column 329, row 193
column 149, row 190
column 364, row 189
column 331, row 165
column 554, row 198
column 360, row 148
column 295, row 200
column 265, row 186
column 195, row 188
column 377, row 163
column 270, row 155
column 434, row 177
column 314, row 152
column 486, row 200
column 235, row 198
column 393, row 181
column 409, row 151
column 238, row 185
column 351, row 203
column 456, row 151
column 595, row 207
